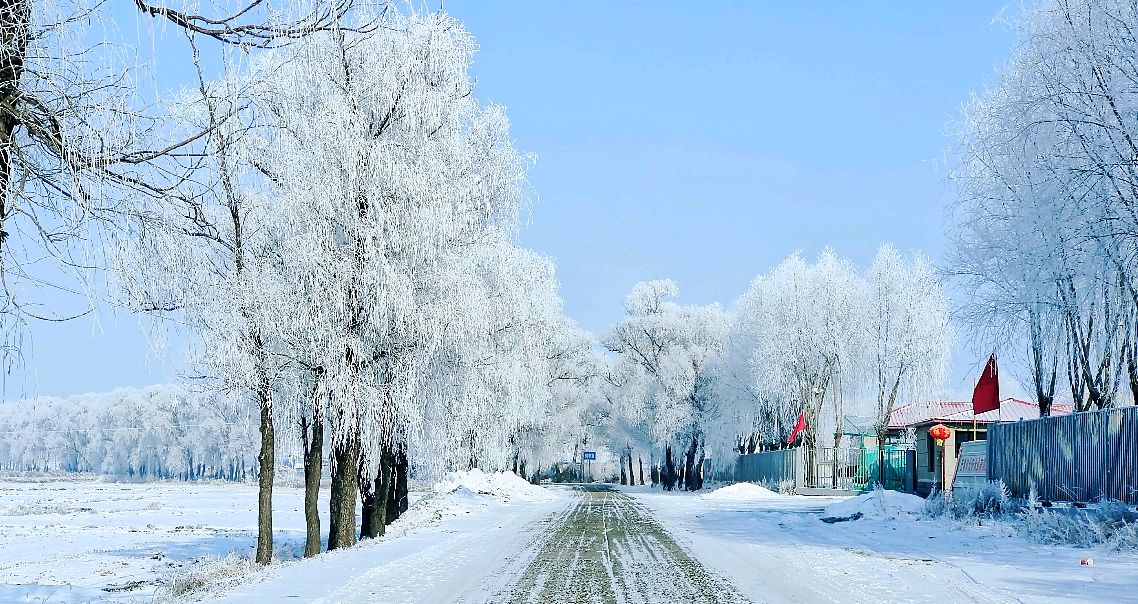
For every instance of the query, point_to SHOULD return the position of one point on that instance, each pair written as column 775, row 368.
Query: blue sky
column 701, row 142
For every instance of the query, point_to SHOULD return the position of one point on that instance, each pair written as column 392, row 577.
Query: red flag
column 798, row 427
column 987, row 394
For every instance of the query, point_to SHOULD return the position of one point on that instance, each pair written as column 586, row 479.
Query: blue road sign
column 589, row 455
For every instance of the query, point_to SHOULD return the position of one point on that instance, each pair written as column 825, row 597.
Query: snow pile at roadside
column 461, row 493
column 742, row 491
column 879, row 505
column 501, row 486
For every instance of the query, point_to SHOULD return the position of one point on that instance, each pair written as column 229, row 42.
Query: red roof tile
column 1011, row 409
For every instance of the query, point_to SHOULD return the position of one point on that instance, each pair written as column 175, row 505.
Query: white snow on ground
column 69, row 540
column 879, row 505
column 742, row 491
column 465, row 542
column 503, row 486
column 778, row 550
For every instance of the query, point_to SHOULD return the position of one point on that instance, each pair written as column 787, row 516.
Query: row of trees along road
column 1045, row 238
column 324, row 208
column 806, row 338
column 81, row 145
column 344, row 259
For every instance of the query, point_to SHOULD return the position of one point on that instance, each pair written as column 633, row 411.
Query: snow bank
column 742, row 491
column 501, row 486
column 461, row 493
column 879, row 505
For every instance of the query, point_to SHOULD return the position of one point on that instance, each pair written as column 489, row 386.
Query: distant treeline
column 155, row 432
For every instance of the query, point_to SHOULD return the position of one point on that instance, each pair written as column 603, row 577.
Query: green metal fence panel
column 771, row 467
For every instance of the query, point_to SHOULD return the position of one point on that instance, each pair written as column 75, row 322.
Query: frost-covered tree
column 662, row 377
column 797, row 329
column 1046, row 221
column 131, row 434
column 516, row 367
column 213, row 258
column 817, row 339
column 388, row 171
column 84, row 155
column 907, row 332
column 82, row 139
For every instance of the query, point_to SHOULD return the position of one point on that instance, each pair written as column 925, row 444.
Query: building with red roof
column 935, row 465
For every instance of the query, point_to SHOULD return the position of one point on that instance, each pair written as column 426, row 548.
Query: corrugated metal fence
column 771, row 467
column 1077, row 457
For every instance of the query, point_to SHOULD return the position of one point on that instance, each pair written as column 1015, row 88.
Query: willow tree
column 384, row 165
column 205, row 244
column 1047, row 217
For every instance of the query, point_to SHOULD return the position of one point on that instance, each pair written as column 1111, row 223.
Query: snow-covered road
column 610, row 549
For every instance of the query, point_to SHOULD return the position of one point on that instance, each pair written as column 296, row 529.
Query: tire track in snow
column 609, row 549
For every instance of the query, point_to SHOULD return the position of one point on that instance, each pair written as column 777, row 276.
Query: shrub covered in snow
column 786, row 487
column 205, row 577
column 1110, row 524
column 990, row 501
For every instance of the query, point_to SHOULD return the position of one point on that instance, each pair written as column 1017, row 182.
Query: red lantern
column 941, row 433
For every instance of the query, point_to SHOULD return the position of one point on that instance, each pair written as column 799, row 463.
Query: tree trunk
column 668, row 472
column 367, row 504
column 631, row 474
column 267, row 463
column 623, row 478
column 689, row 465
column 335, row 494
column 881, row 457
column 390, row 485
column 835, row 470
column 640, row 460
column 697, row 475
column 15, row 18
column 342, row 504
column 378, row 513
column 400, row 500
column 381, row 512
column 313, row 466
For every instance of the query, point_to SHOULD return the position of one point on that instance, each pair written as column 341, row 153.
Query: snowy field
column 85, row 540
